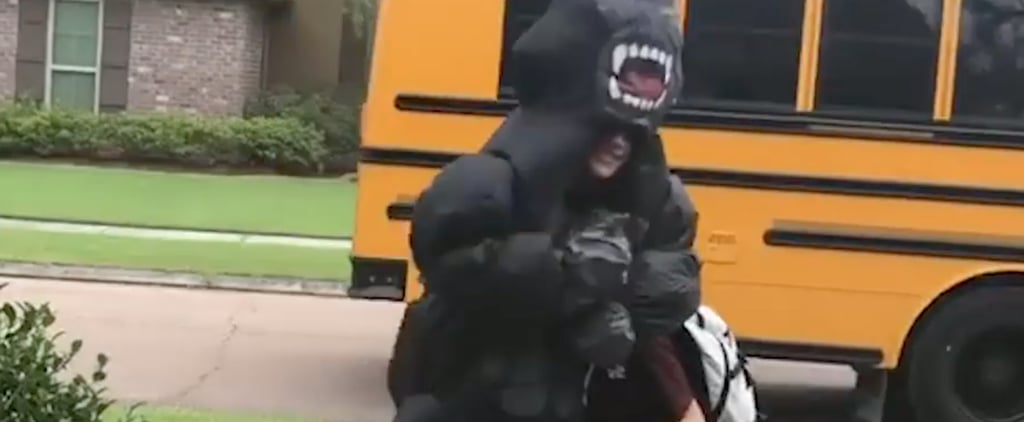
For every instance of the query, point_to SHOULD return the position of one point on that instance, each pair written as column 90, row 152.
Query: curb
column 87, row 222
column 171, row 234
column 186, row 280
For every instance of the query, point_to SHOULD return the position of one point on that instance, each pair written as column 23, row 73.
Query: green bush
column 281, row 144
column 338, row 121
column 33, row 387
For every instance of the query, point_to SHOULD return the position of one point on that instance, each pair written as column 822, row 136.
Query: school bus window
column 990, row 62
column 879, row 57
column 519, row 15
column 742, row 53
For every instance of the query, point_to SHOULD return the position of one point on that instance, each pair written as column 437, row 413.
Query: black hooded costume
column 535, row 273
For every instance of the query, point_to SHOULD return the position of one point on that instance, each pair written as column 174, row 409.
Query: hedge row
column 281, row 144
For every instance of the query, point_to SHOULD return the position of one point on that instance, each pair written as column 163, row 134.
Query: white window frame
column 51, row 67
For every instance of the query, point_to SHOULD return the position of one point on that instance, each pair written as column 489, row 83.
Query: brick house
column 203, row 56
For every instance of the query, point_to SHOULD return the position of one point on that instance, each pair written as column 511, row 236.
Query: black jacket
column 490, row 340
column 494, row 296
column 465, row 242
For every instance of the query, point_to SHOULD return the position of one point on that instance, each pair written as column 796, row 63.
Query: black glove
column 665, row 291
column 597, row 258
column 605, row 337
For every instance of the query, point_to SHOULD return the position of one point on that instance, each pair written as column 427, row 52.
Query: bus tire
column 967, row 360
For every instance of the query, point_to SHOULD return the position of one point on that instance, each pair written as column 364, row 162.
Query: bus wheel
column 967, row 361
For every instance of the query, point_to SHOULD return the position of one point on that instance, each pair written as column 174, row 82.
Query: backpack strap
column 730, row 374
column 733, row 371
column 751, row 383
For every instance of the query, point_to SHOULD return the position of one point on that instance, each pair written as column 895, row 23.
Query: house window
column 73, row 63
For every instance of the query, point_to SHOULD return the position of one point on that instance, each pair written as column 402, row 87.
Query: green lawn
column 193, row 256
column 162, row 414
column 241, row 203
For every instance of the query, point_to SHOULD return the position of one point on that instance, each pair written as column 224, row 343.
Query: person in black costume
column 563, row 249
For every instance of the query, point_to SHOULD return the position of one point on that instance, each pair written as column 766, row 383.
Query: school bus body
column 824, row 237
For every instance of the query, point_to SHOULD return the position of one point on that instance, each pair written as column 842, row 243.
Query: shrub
column 338, row 121
column 282, row 144
column 31, row 370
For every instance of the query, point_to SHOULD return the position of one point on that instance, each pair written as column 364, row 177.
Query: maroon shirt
column 655, row 387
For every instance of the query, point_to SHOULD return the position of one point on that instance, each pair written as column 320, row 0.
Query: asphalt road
column 295, row 355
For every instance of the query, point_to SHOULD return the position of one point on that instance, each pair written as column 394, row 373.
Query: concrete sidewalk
column 319, row 358
column 172, row 234
column 312, row 357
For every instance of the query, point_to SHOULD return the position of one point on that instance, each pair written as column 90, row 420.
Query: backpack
column 730, row 387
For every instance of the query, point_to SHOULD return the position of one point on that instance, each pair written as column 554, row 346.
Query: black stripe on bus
column 764, row 181
column 804, row 352
column 400, row 211
column 791, row 123
column 896, row 241
column 858, row 239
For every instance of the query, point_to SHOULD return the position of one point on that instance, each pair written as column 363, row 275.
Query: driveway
column 320, row 358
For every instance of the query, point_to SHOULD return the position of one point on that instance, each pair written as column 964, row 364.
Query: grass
column 175, row 255
column 168, row 414
column 273, row 204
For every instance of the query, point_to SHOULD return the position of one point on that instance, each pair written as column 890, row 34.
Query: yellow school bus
column 858, row 166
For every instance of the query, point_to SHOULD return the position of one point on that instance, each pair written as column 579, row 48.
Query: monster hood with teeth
column 584, row 70
column 619, row 58
column 489, row 235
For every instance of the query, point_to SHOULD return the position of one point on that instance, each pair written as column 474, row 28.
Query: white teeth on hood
column 660, row 99
column 619, row 57
column 613, row 88
column 620, row 54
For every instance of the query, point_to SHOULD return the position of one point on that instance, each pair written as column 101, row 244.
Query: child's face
column 609, row 157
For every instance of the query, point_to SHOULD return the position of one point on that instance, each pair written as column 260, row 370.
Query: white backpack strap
column 723, row 395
